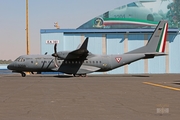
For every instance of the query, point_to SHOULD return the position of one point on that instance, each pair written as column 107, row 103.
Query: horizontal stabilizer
column 152, row 55
column 155, row 54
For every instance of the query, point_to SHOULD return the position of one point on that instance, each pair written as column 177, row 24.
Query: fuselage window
column 86, row 61
column 72, row 62
column 99, row 61
column 96, row 61
column 59, row 61
column 41, row 61
column 93, row 61
column 31, row 61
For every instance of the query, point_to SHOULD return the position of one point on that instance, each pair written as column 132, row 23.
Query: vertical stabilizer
column 157, row 42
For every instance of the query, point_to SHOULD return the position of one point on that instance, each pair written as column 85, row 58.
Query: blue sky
column 42, row 15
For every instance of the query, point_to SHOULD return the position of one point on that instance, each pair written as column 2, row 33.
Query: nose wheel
column 23, row 74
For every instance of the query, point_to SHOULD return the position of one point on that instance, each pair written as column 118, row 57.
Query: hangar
column 117, row 35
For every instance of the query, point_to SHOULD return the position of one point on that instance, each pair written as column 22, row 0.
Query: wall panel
column 71, row 42
column 45, row 47
column 136, row 41
column 95, row 43
column 115, row 45
column 174, row 54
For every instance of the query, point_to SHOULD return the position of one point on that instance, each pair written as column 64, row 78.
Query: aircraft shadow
column 177, row 82
column 71, row 76
column 119, row 75
column 140, row 76
column 63, row 76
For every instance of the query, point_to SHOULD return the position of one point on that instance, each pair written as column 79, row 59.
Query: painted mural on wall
column 139, row 14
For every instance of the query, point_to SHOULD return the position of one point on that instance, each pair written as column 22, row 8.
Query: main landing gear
column 79, row 75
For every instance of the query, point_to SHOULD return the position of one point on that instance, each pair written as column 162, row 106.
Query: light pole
column 27, row 29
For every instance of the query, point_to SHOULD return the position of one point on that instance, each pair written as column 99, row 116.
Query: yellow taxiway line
column 162, row 86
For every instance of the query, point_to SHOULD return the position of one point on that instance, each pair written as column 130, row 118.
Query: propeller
column 55, row 54
column 55, row 50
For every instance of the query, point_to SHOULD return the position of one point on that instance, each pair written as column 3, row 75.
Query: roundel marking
column 118, row 59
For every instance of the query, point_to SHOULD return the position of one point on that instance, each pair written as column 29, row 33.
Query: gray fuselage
column 46, row 63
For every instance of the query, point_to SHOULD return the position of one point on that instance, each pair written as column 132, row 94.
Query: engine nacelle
column 62, row 55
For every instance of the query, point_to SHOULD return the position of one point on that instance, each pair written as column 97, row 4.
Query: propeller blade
column 55, row 48
column 55, row 62
column 55, row 55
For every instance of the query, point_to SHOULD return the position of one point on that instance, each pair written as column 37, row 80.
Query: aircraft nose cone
column 10, row 66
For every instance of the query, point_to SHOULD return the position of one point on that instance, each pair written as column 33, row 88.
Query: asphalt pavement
column 95, row 97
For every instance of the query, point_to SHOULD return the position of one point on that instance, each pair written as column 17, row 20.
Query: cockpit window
column 133, row 4
column 20, row 59
column 139, row 4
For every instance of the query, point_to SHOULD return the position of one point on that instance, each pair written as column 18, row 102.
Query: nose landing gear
column 23, row 74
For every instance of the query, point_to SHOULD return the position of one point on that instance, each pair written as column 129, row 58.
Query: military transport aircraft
column 81, row 62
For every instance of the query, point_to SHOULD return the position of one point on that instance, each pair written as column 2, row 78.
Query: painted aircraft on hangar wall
column 132, row 15
column 81, row 62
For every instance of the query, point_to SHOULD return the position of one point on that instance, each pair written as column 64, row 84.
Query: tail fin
column 156, row 44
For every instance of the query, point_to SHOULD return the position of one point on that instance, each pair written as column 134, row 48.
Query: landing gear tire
column 76, row 75
column 79, row 75
column 23, row 74
column 83, row 75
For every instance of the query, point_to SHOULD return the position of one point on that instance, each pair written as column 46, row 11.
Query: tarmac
column 95, row 97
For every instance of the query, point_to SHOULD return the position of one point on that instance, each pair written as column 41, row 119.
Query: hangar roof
column 102, row 30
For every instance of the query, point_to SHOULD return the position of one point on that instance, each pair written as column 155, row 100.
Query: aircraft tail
column 156, row 44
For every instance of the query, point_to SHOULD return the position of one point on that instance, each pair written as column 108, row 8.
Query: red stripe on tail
column 165, row 38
